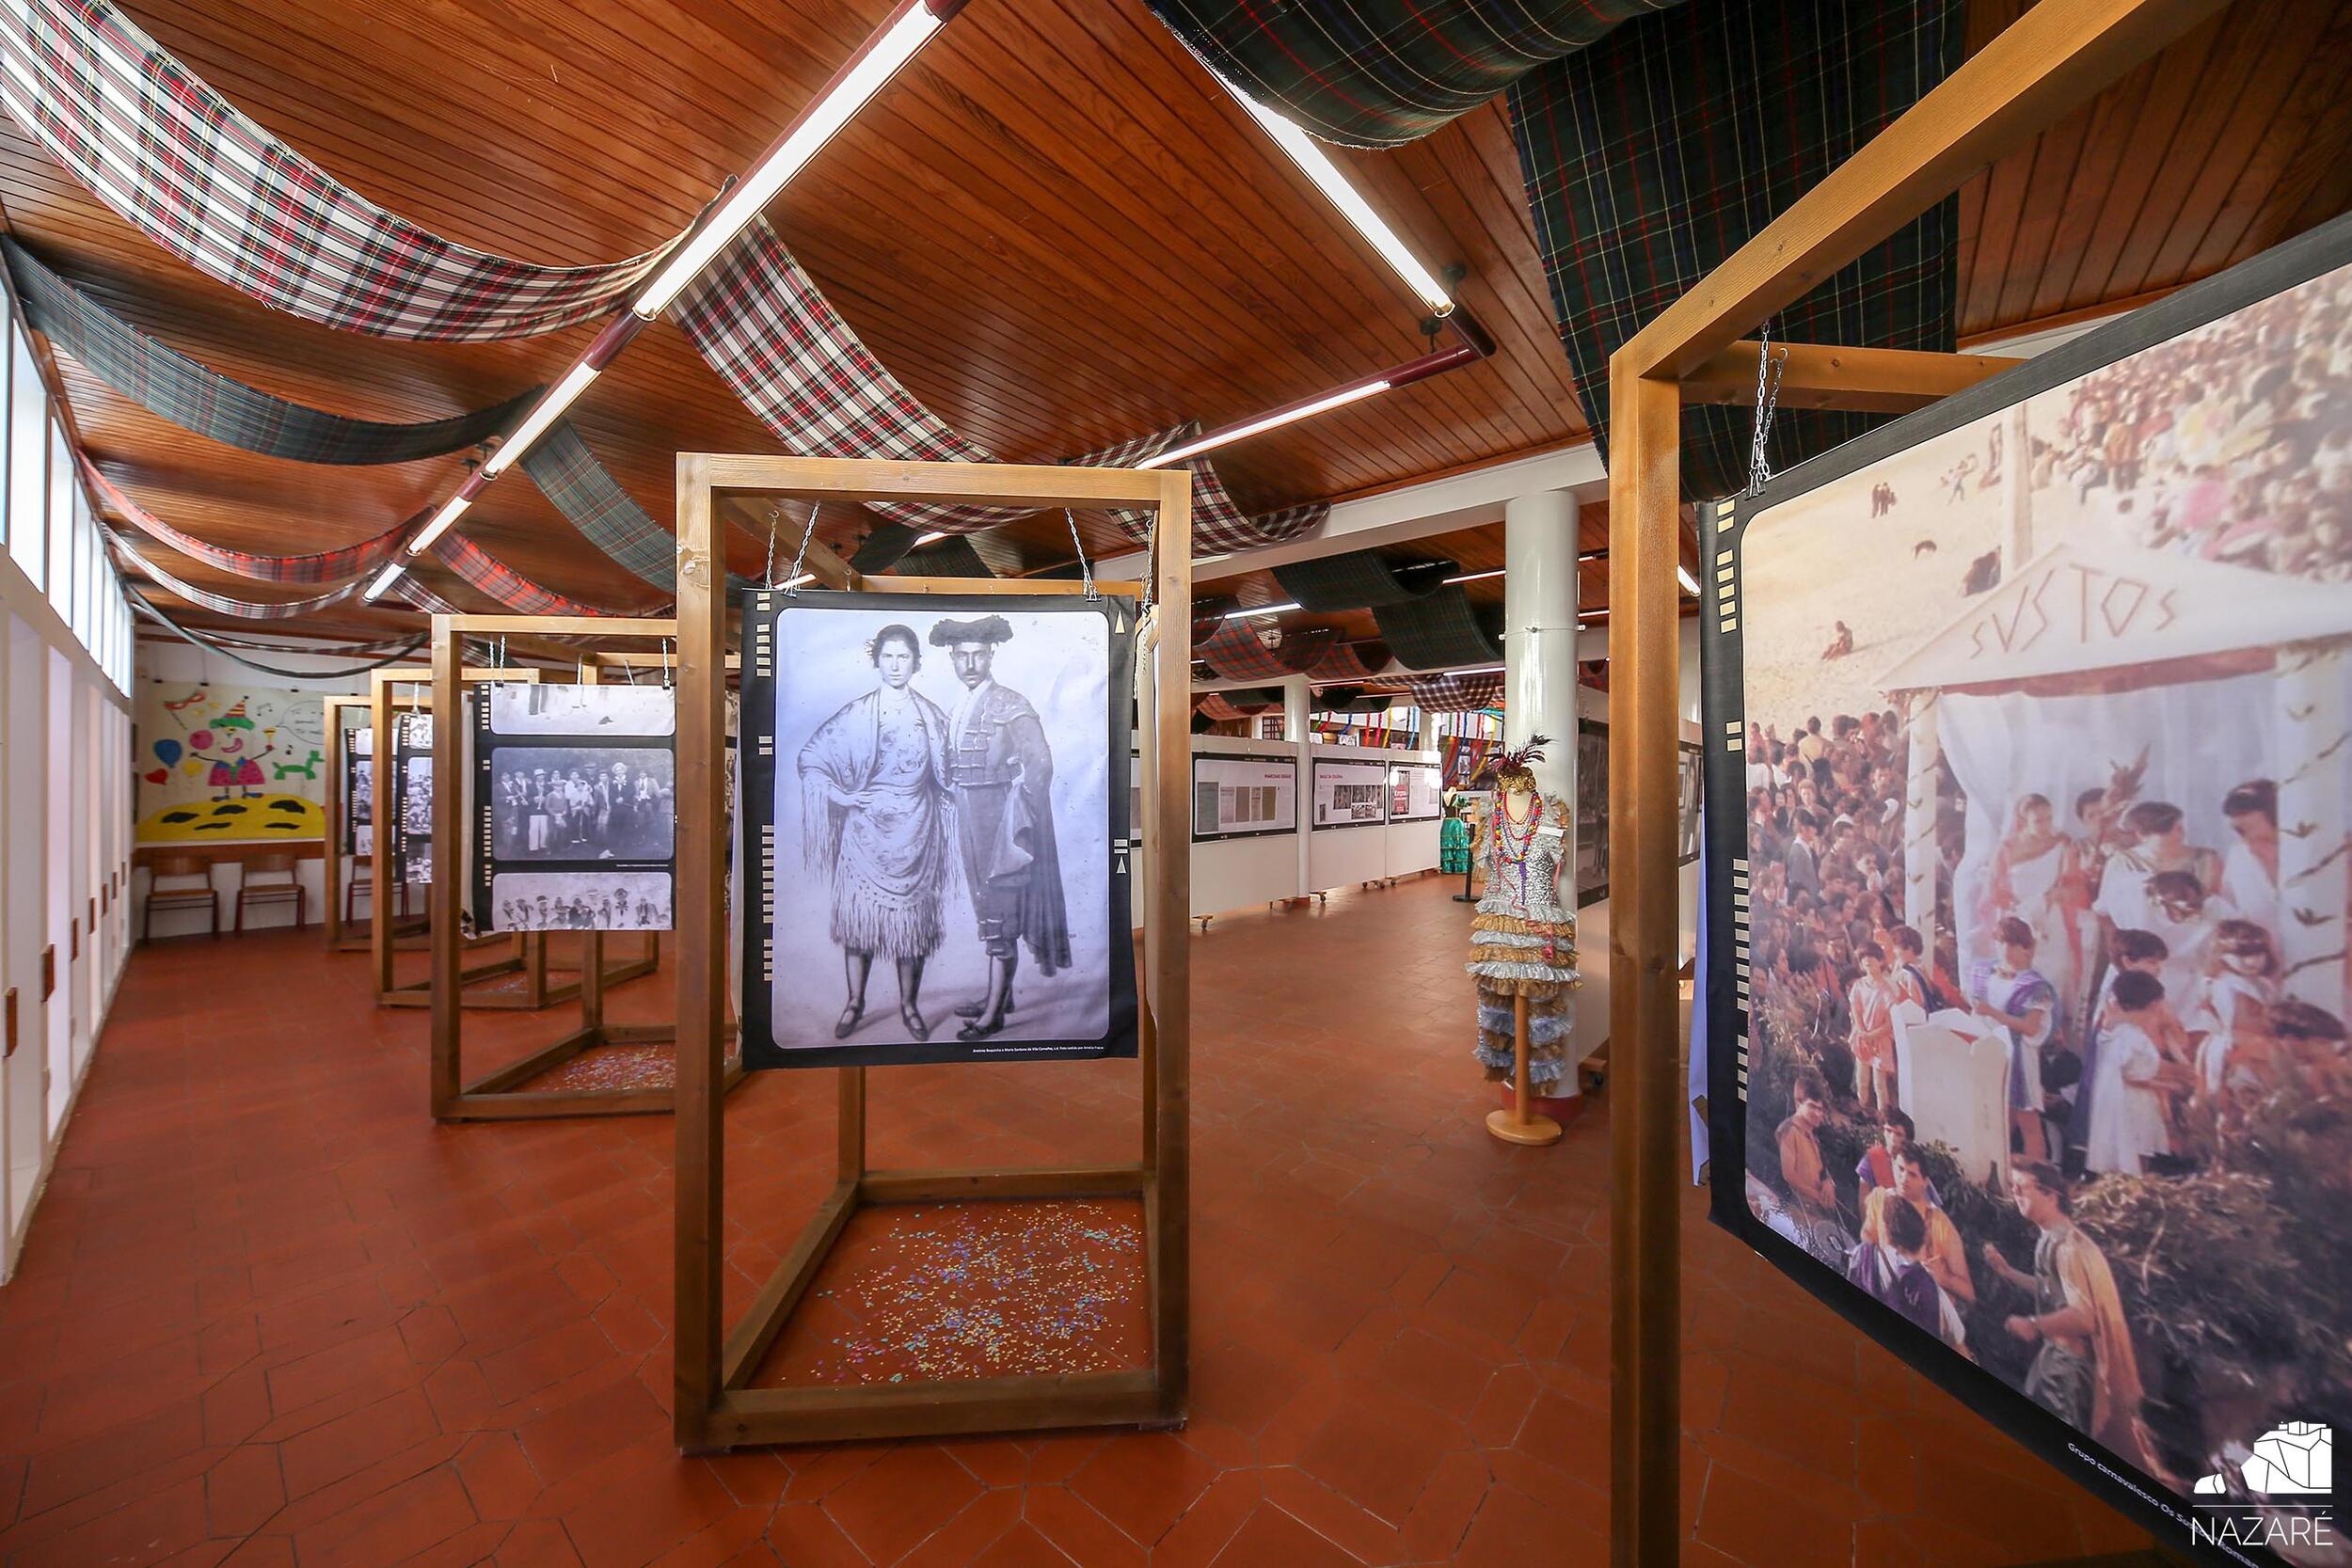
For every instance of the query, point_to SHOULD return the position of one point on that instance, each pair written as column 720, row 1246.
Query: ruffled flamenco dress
column 1524, row 943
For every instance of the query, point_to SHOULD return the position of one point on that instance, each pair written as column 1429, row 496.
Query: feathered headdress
column 1503, row 765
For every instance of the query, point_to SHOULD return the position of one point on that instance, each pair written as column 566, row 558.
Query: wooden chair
column 360, row 881
column 178, row 867
column 288, row 890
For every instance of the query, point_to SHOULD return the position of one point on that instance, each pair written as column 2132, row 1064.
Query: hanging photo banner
column 934, row 808
column 2030, row 722
column 412, row 798
column 1351, row 794
column 1591, row 812
column 1416, row 792
column 575, row 807
column 1242, row 796
column 359, row 787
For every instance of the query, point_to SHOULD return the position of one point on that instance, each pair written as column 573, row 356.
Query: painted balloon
column 201, row 740
column 167, row 751
column 192, row 767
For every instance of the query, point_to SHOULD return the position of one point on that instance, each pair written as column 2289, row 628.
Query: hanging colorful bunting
column 1652, row 156
column 324, row 566
column 156, row 143
column 173, row 386
column 220, row 603
column 1383, row 73
column 777, row 342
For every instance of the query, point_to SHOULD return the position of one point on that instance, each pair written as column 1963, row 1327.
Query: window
column 28, row 471
column 85, row 569
column 61, row 487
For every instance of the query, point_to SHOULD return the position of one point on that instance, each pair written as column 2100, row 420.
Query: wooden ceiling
column 1053, row 226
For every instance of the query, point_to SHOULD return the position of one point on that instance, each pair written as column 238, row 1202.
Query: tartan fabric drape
column 1340, row 662
column 1437, row 630
column 423, row 598
column 1383, row 73
column 1228, row 706
column 1653, row 155
column 173, row 386
column 593, row 501
column 1456, row 693
column 778, row 343
column 156, row 143
column 1234, row 653
column 323, row 566
column 220, row 603
column 488, row 574
column 1358, row 580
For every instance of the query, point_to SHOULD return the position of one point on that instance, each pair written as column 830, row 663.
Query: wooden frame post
column 2056, row 55
column 499, row 1095
column 337, row 875
column 716, row 1406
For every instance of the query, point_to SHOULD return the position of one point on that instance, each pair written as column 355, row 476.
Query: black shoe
column 979, row 1030
column 849, row 1016
column 913, row 1020
column 974, row 1009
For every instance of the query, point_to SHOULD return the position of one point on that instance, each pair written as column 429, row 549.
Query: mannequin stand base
column 1536, row 1128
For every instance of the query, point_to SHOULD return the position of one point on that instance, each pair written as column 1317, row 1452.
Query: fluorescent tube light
column 1275, row 421
column 1257, row 609
column 842, row 99
column 549, row 410
column 922, row 539
column 1474, row 576
column 384, row 580
column 451, row 511
column 800, row 581
column 1689, row 584
column 1317, row 165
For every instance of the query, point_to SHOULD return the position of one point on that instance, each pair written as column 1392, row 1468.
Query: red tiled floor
column 272, row 1317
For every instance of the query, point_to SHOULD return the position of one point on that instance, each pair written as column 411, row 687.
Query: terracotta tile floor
column 271, row 1315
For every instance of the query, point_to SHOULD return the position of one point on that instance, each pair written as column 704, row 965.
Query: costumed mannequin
column 1523, row 940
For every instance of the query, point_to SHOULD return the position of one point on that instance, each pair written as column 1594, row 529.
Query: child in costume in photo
column 1523, row 940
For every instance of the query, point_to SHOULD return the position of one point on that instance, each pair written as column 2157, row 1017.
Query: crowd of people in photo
column 607, row 912
column 2134, row 974
column 2232, row 444
column 623, row 811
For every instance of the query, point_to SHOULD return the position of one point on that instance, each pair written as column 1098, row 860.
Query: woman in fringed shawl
column 874, row 814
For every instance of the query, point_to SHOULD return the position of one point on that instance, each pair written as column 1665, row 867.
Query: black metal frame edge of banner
column 1199, row 757
column 1439, row 768
column 2113, row 1478
column 755, row 812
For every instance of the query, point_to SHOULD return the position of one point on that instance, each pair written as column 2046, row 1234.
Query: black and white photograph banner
column 933, row 804
column 575, row 807
column 359, row 787
column 412, row 798
column 2030, row 722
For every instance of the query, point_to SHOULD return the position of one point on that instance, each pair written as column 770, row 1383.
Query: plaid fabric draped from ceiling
column 1652, row 156
column 173, row 386
column 488, row 573
column 1358, row 580
column 156, row 143
column 1437, row 630
column 778, row 343
column 1456, row 693
column 1340, row 662
column 1236, row 653
column 1382, row 72
column 593, row 501
column 423, row 598
column 220, row 603
column 324, row 566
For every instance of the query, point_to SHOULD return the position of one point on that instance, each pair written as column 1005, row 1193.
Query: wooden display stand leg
column 1522, row 1123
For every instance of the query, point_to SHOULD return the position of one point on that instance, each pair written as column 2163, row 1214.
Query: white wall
column 1240, row 873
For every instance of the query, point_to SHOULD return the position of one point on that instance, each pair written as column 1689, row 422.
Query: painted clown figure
column 235, row 766
column 1001, row 770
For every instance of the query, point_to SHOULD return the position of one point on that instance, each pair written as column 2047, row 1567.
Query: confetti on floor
column 991, row 1289
column 612, row 1067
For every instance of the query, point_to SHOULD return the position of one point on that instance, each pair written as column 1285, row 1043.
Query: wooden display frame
column 714, row 1406
column 2041, row 67
column 495, row 1096
column 337, row 738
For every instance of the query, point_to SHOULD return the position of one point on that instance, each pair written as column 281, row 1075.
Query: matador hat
column 988, row 628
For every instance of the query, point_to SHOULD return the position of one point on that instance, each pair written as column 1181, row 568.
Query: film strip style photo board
column 2029, row 739
column 933, row 810
column 574, row 807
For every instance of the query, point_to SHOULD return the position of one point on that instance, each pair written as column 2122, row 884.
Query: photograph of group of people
column 580, row 900
column 2047, row 781
column 583, row 803
column 942, row 799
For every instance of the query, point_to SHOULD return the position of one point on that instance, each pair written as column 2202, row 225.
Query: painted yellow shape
column 261, row 819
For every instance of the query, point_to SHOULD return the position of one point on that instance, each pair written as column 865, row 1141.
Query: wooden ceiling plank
column 2179, row 72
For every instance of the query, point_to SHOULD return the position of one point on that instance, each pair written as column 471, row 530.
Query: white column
column 1296, row 694
column 2314, row 720
column 1539, row 636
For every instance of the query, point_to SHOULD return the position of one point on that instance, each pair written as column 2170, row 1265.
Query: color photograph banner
column 1350, row 794
column 933, row 806
column 229, row 763
column 2031, row 743
column 1415, row 792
